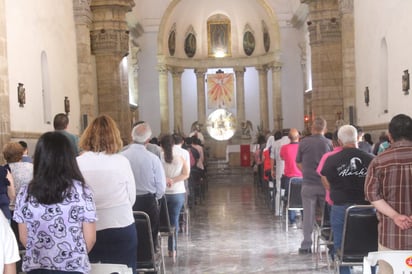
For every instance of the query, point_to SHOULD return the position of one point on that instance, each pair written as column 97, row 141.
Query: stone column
column 5, row 131
column 263, row 97
column 201, row 97
column 177, row 100
column 277, row 96
column 348, row 58
column 110, row 43
column 325, row 36
column 83, row 21
column 164, row 99
column 240, row 98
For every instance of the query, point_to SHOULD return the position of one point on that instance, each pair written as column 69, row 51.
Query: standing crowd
column 345, row 169
column 72, row 204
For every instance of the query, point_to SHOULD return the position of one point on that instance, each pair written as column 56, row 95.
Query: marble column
column 325, row 37
column 277, row 96
column 5, row 131
column 83, row 21
column 348, row 59
column 263, row 97
column 110, row 43
column 164, row 99
column 177, row 100
column 240, row 98
column 201, row 96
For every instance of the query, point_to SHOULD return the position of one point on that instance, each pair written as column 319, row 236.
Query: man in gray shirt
column 148, row 173
column 310, row 151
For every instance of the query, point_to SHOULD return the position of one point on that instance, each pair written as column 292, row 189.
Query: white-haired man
column 148, row 173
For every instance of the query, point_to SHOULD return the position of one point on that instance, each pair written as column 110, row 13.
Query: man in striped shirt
column 388, row 186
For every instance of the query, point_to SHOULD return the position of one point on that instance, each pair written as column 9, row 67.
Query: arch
column 164, row 29
column 383, row 78
column 46, row 92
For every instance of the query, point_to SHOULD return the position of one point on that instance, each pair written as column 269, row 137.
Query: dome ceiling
column 193, row 29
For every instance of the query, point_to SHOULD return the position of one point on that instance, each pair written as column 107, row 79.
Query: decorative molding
column 346, row 6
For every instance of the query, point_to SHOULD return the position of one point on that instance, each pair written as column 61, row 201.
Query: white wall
column 376, row 20
column 32, row 27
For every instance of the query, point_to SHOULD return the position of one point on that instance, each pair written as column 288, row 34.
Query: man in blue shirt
column 148, row 173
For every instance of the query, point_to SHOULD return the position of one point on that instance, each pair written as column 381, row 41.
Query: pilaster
column 110, row 43
column 5, row 131
column 177, row 100
column 164, row 99
column 201, row 97
column 348, row 58
column 83, row 20
column 240, row 98
column 263, row 97
column 277, row 96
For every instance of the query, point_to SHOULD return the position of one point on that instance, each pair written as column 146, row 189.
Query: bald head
column 293, row 135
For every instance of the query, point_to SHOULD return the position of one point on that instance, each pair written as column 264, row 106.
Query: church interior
column 269, row 64
column 228, row 70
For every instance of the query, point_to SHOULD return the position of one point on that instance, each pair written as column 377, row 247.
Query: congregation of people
column 72, row 204
column 342, row 169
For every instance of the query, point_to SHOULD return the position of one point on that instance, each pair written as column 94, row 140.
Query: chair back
column 146, row 260
column 164, row 221
column 294, row 195
column 400, row 260
column 360, row 233
column 98, row 268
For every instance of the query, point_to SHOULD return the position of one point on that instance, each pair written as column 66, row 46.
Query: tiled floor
column 233, row 231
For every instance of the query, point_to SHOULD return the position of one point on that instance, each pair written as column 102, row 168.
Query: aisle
column 233, row 231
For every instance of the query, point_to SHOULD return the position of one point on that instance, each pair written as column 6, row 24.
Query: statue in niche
column 247, row 129
column 21, row 95
column 196, row 130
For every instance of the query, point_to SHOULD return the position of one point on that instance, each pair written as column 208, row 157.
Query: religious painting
column 266, row 37
column 190, row 45
column 220, row 89
column 219, row 40
column 248, row 43
column 172, row 43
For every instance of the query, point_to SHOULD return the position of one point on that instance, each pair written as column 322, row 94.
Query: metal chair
column 360, row 236
column 400, row 260
column 165, row 228
column 294, row 201
column 147, row 259
column 323, row 235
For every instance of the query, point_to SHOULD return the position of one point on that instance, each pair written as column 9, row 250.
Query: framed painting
column 219, row 38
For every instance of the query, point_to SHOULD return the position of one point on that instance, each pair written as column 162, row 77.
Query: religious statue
column 196, row 129
column 21, row 95
column 247, row 129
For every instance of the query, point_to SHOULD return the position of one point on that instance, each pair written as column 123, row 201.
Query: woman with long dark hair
column 177, row 170
column 56, row 211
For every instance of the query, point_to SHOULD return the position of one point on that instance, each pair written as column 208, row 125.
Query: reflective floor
column 234, row 231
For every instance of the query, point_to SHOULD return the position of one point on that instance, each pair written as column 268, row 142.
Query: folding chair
column 294, row 201
column 400, row 260
column 165, row 228
column 360, row 236
column 147, row 259
column 99, row 268
column 323, row 235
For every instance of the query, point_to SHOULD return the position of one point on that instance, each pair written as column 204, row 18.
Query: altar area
column 235, row 152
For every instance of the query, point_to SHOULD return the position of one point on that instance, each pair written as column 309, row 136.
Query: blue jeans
column 337, row 219
column 175, row 203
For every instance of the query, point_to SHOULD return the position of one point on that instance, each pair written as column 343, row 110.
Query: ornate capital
column 110, row 41
column 162, row 68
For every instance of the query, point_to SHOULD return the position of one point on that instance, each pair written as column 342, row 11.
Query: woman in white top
column 177, row 170
column 111, row 179
column 9, row 251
